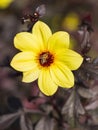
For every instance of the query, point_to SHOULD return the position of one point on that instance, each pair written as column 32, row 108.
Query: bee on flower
column 46, row 57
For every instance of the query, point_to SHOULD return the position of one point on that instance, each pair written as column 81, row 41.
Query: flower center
column 46, row 58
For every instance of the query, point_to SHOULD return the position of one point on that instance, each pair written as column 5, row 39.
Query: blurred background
column 60, row 15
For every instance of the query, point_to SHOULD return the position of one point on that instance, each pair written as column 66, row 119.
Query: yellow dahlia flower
column 5, row 3
column 46, row 57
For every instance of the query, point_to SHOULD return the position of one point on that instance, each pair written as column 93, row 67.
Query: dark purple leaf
column 68, row 109
column 78, row 106
column 93, row 120
column 92, row 106
column 45, row 123
column 69, row 104
column 86, row 93
column 95, row 61
column 25, row 123
column 7, row 120
column 72, row 108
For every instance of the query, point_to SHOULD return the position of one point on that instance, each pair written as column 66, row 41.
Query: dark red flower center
column 46, row 58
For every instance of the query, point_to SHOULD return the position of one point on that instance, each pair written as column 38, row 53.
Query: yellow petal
column 42, row 32
column 62, row 75
column 25, row 41
column 31, row 75
column 46, row 84
column 58, row 40
column 72, row 59
column 23, row 61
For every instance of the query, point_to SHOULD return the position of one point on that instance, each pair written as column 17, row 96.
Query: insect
column 32, row 18
column 44, row 58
